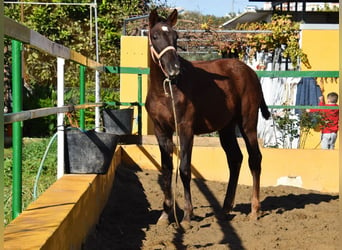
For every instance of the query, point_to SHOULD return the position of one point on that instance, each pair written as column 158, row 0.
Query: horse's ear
column 172, row 19
column 153, row 18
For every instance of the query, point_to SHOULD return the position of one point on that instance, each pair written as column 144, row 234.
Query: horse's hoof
column 163, row 223
column 227, row 208
column 254, row 216
column 222, row 216
column 163, row 220
column 258, row 215
column 185, row 225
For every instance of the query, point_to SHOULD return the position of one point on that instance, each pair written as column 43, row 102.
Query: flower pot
column 118, row 121
column 88, row 152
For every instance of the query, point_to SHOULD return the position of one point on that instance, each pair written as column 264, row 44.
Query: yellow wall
column 321, row 44
column 64, row 214
column 318, row 169
column 134, row 51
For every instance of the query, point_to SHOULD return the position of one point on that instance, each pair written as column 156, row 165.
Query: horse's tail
column 264, row 109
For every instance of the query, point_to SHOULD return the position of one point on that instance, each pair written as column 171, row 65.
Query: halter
column 156, row 56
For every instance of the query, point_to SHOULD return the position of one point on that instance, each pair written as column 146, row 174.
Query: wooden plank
column 41, row 42
column 34, row 113
column 16, row 30
column 41, row 112
column 21, row 33
column 79, row 58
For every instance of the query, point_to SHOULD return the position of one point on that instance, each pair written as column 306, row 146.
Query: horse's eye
column 155, row 36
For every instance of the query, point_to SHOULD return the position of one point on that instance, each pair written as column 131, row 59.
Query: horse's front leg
column 166, row 151
column 186, row 145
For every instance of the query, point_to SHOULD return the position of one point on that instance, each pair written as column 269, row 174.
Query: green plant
column 309, row 122
column 279, row 37
column 296, row 126
column 40, row 97
column 73, row 27
column 33, row 150
column 287, row 124
column 283, row 37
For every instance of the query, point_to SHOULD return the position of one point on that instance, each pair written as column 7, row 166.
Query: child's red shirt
column 329, row 115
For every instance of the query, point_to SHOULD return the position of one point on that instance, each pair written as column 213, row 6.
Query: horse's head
column 163, row 43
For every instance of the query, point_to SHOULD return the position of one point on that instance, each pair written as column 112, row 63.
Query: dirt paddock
column 293, row 218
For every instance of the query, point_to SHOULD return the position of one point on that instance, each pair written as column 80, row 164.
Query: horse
column 201, row 97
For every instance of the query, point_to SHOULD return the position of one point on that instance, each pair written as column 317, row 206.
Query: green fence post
column 139, row 104
column 17, row 129
column 1, row 119
column 82, row 96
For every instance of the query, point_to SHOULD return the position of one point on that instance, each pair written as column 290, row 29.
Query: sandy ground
column 293, row 218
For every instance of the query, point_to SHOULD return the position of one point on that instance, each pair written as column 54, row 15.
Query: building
column 319, row 40
column 312, row 12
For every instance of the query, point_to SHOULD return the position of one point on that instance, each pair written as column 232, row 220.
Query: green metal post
column 82, row 96
column 139, row 104
column 17, row 129
column 1, row 119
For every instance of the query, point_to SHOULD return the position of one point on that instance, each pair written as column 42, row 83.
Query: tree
column 283, row 38
column 280, row 37
column 73, row 27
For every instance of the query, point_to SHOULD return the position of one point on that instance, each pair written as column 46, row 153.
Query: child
column 331, row 116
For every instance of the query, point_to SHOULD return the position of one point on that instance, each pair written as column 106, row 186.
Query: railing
column 21, row 34
column 298, row 74
column 140, row 72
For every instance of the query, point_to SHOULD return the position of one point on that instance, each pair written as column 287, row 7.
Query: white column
column 60, row 117
column 97, row 73
column 97, row 100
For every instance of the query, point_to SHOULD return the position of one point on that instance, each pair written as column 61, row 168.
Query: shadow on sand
column 128, row 214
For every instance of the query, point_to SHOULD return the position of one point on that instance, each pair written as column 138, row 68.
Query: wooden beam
column 42, row 43
column 21, row 33
column 16, row 30
column 41, row 112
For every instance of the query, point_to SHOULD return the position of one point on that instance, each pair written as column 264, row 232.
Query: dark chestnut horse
column 208, row 96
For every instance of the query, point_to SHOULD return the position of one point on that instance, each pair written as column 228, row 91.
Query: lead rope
column 168, row 81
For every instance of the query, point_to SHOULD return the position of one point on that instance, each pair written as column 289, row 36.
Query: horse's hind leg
column 249, row 134
column 234, row 158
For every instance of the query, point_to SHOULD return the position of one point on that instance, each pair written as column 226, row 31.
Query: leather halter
column 157, row 56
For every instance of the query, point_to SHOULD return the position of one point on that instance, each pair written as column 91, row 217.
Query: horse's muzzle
column 173, row 71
